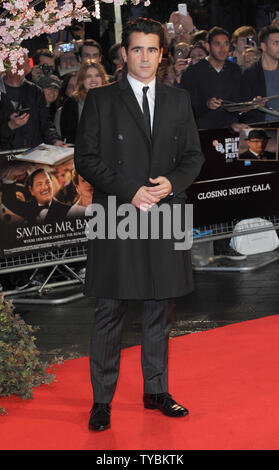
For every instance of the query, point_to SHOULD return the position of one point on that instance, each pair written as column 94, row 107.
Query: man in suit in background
column 257, row 141
column 41, row 207
column 137, row 141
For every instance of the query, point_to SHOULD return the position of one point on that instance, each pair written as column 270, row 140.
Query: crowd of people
column 45, row 104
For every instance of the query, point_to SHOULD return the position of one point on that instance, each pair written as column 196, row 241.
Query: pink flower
column 23, row 22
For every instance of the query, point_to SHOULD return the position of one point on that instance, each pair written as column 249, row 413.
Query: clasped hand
column 147, row 196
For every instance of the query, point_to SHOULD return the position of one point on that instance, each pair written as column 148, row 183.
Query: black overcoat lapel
column 127, row 95
column 159, row 111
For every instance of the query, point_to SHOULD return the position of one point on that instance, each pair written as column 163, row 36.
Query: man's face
column 68, row 60
column 42, row 189
column 257, row 145
column 90, row 52
column 271, row 47
column 43, row 59
column 63, row 176
column 143, row 56
column 219, row 47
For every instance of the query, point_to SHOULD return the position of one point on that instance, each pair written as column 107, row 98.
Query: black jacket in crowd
column 69, row 120
column 252, row 85
column 39, row 127
column 203, row 82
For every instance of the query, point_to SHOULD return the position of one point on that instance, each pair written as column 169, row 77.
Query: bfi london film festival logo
column 165, row 222
column 229, row 148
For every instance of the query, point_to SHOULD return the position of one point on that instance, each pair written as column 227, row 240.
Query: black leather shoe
column 99, row 417
column 164, row 403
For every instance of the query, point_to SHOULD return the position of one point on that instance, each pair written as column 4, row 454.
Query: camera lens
column 46, row 69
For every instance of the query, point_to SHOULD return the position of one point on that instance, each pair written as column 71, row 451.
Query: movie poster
column 258, row 144
column 43, row 201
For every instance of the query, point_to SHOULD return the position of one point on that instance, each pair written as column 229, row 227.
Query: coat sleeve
column 252, row 85
column 87, row 158
column 191, row 157
column 69, row 120
column 189, row 83
column 6, row 134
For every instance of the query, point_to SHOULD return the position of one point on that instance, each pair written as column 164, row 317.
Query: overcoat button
column 174, row 159
column 175, row 137
column 120, row 137
column 119, row 162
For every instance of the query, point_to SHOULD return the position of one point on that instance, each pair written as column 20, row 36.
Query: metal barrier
column 215, row 232
column 60, row 259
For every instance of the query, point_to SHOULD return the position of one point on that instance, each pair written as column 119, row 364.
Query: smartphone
column 182, row 8
column 23, row 110
column 250, row 41
column 170, row 28
column 67, row 47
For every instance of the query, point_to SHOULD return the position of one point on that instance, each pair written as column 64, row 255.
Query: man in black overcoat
column 137, row 141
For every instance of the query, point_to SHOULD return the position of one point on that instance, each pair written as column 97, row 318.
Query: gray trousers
column 105, row 346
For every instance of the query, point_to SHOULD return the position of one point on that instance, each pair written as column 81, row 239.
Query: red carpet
column 227, row 377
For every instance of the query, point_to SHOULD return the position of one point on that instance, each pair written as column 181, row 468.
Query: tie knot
column 145, row 89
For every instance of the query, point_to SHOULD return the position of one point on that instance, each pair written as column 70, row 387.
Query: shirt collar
column 217, row 70
column 137, row 86
column 254, row 153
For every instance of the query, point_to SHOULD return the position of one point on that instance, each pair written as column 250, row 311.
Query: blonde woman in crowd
column 91, row 75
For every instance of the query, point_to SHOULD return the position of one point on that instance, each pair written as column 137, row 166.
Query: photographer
column 44, row 64
column 25, row 120
column 177, row 64
column 243, row 38
column 184, row 27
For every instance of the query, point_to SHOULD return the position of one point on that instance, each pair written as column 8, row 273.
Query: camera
column 46, row 69
column 170, row 28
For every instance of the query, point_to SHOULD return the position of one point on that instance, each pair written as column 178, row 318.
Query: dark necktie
column 145, row 108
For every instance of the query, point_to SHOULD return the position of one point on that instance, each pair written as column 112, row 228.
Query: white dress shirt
column 137, row 87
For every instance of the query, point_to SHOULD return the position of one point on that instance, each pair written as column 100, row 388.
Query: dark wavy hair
column 142, row 25
column 266, row 31
column 215, row 31
column 30, row 179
